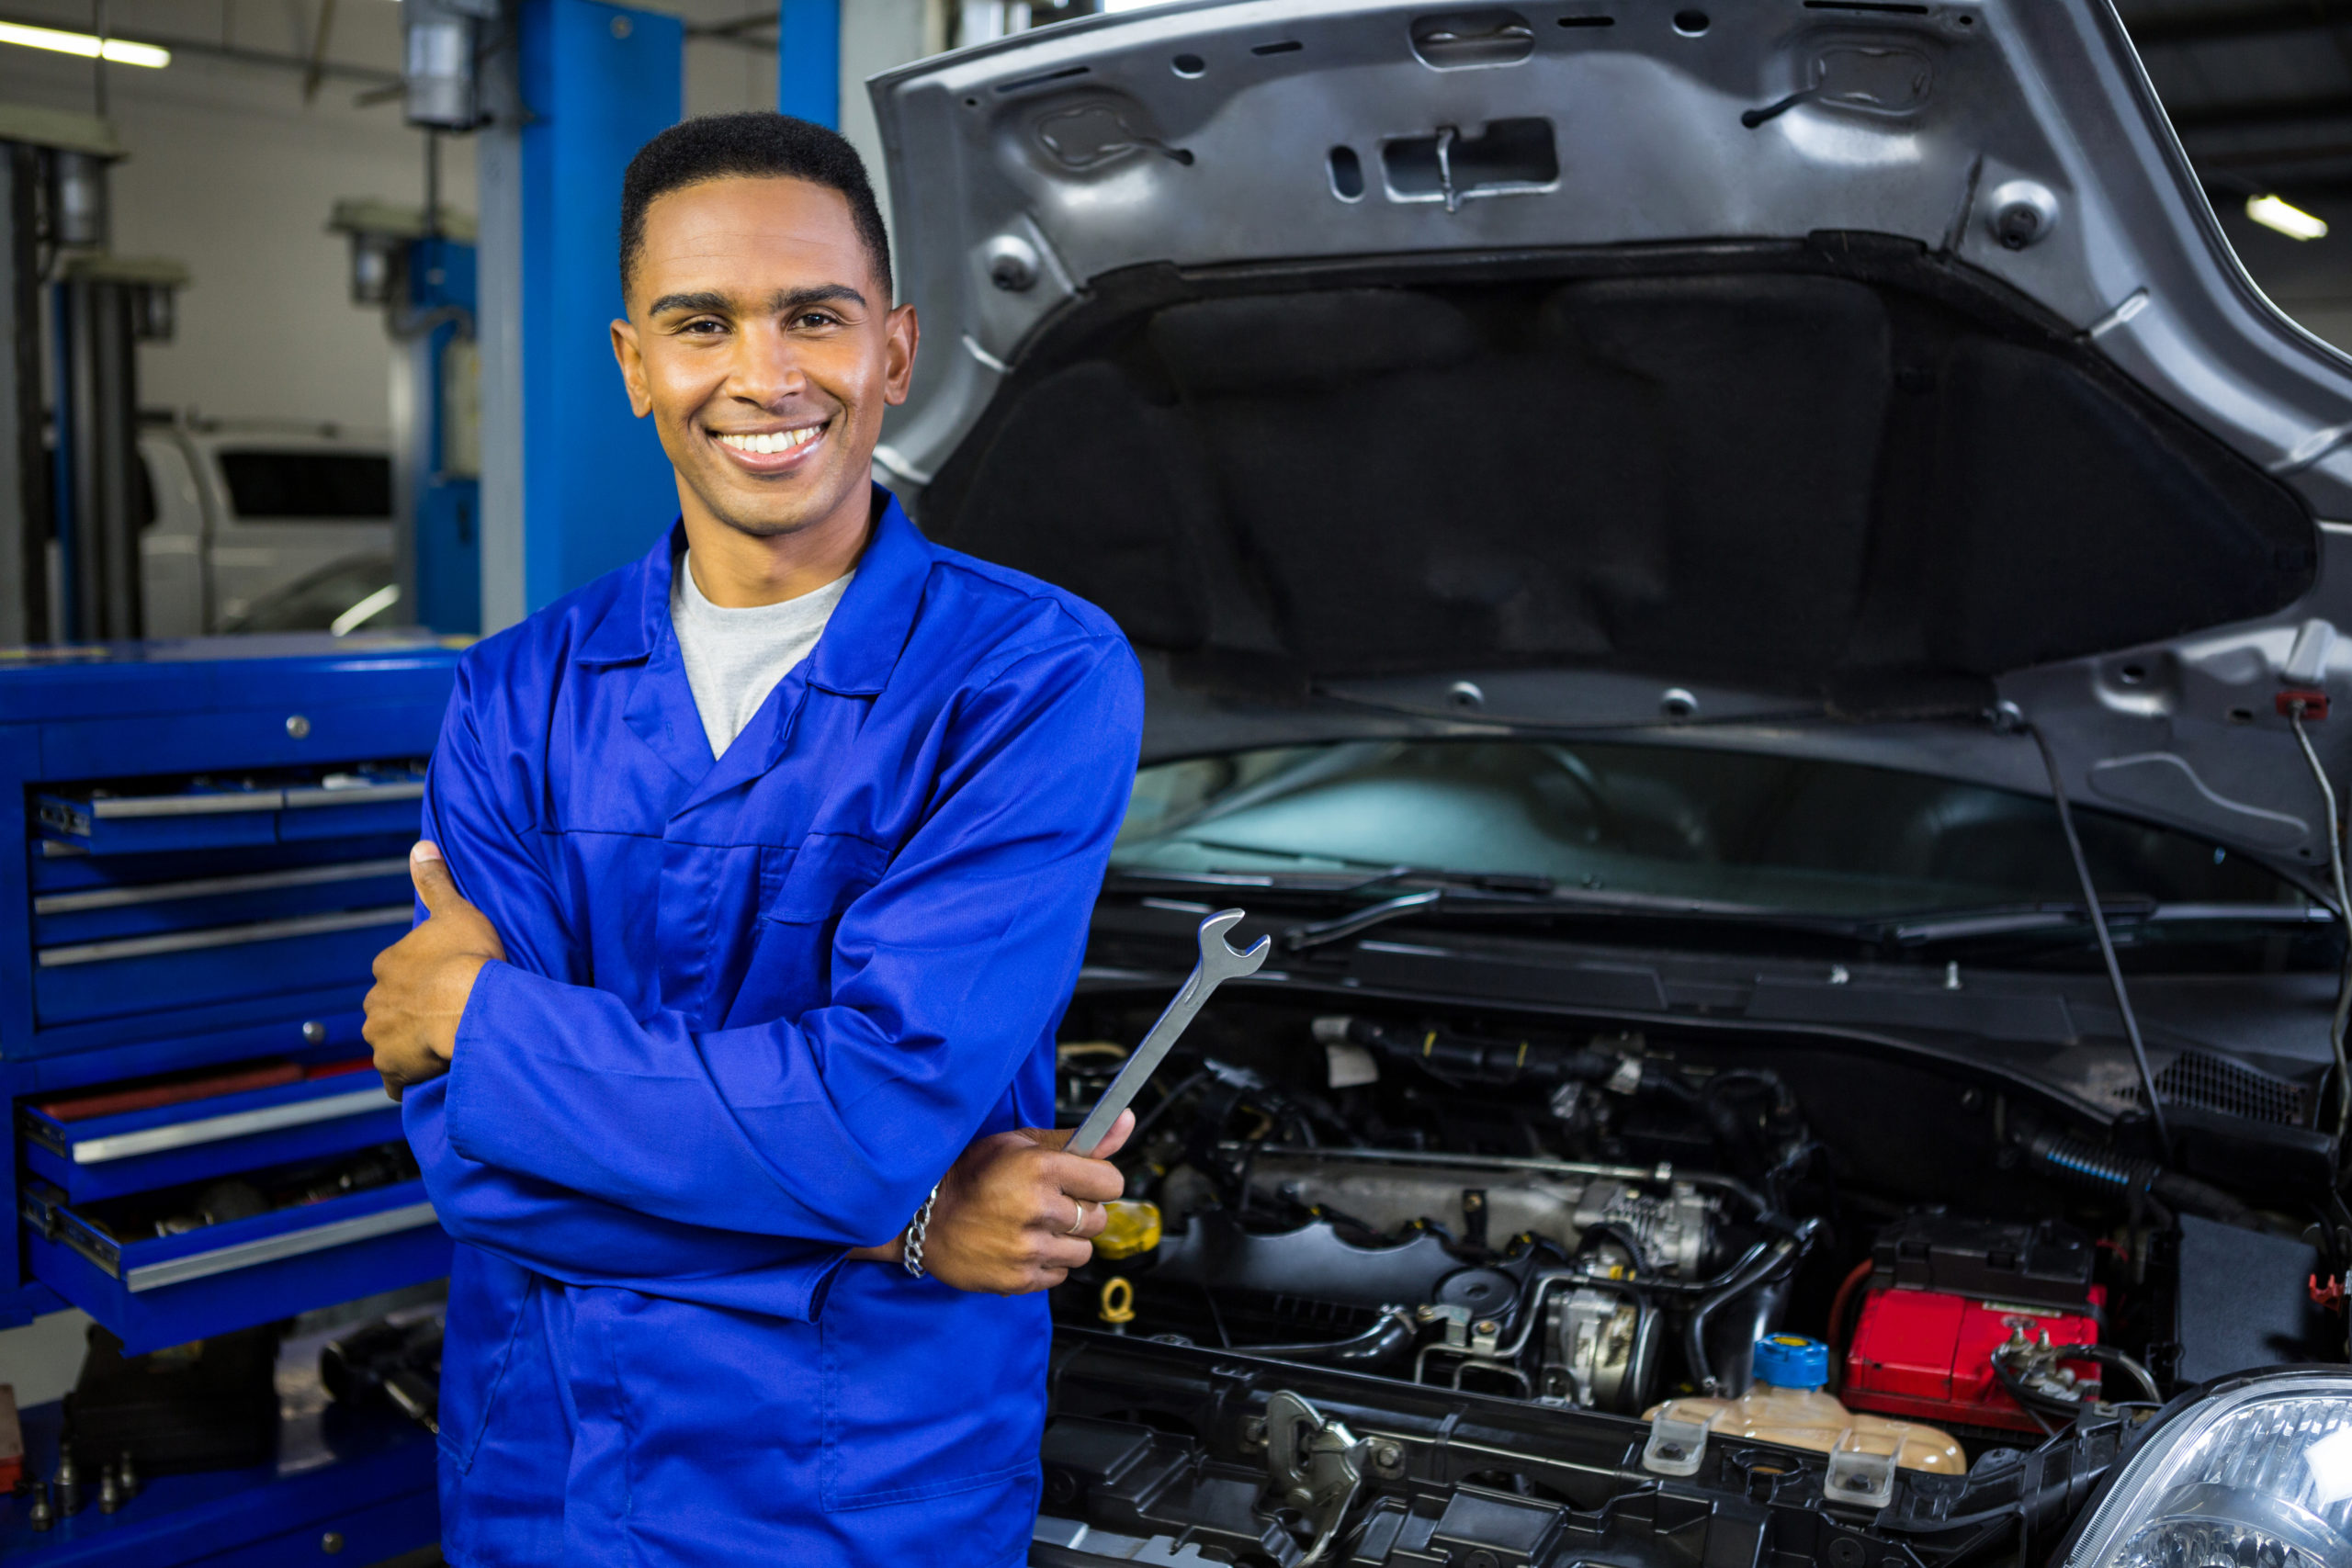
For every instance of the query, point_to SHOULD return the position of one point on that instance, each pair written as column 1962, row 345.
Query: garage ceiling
column 2260, row 90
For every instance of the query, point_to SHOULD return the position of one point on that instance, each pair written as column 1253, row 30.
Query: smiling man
column 757, row 875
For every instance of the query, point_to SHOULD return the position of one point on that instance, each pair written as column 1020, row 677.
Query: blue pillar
column 572, row 485
column 809, row 60
column 444, row 492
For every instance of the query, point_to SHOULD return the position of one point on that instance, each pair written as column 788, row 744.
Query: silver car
column 265, row 525
column 1751, row 595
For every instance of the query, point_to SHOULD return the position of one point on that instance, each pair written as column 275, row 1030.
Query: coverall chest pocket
column 812, row 883
column 803, row 892
column 929, row 1391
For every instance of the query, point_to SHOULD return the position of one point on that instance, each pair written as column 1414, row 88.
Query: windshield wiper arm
column 1315, row 933
column 1964, row 925
column 1504, row 894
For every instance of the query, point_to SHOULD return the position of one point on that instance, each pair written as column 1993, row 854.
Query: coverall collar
column 862, row 641
column 854, row 657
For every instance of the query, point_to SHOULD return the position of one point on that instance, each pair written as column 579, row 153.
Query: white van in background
column 257, row 525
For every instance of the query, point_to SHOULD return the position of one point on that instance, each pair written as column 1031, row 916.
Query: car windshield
column 314, row 485
column 1784, row 834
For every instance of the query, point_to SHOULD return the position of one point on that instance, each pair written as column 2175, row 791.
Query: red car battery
column 1943, row 1293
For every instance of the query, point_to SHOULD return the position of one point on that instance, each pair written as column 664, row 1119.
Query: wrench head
column 1220, row 959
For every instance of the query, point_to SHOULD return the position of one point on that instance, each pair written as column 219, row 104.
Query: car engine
column 1352, row 1238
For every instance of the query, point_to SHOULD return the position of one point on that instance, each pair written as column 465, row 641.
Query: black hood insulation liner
column 1841, row 470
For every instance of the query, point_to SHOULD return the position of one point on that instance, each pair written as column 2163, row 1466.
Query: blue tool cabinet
column 208, row 847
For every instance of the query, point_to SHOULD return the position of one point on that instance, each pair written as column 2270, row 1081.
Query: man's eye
column 816, row 319
column 703, row 326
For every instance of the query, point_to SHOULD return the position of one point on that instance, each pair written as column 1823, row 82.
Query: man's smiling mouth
column 769, row 443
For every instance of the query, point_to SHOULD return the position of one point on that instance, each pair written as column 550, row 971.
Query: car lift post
column 579, row 486
column 53, row 182
column 809, row 60
column 418, row 265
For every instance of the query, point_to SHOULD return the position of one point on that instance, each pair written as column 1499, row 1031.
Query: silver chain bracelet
column 915, row 1229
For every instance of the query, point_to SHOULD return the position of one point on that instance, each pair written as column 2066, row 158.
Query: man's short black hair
column 757, row 142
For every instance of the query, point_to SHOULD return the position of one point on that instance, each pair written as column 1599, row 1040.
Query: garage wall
column 878, row 36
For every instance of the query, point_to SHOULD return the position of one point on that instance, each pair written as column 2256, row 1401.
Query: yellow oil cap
column 1128, row 1228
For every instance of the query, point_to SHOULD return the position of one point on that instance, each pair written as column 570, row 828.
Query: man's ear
column 904, row 332
column 632, row 364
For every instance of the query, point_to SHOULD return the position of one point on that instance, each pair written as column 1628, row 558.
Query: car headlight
column 2257, row 1476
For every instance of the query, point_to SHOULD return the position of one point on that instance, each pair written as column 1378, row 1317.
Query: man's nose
column 767, row 369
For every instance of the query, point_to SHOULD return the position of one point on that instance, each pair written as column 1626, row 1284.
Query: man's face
column 765, row 347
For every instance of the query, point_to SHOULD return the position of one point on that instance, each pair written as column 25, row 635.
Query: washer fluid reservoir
column 1786, row 1405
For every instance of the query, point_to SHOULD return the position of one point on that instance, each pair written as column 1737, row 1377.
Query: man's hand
column 1016, row 1213
column 423, row 980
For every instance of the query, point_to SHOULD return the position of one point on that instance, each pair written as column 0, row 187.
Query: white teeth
column 778, row 441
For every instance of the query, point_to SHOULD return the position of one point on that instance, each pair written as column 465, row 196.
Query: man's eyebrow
column 788, row 301
column 705, row 299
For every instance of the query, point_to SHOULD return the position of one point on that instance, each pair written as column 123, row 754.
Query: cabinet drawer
column 233, row 895
column 93, row 1158
column 166, row 1290
column 151, row 817
column 78, row 981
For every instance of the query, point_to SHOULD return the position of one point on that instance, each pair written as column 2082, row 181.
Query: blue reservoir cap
column 1791, row 1360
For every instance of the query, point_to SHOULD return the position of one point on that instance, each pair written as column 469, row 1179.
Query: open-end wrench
column 1219, row 962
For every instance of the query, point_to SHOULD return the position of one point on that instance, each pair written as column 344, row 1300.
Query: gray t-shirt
column 734, row 658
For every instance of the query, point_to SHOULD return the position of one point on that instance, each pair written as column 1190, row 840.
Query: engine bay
column 1596, row 1232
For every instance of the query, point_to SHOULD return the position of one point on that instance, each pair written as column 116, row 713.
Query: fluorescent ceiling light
column 2290, row 221
column 87, row 45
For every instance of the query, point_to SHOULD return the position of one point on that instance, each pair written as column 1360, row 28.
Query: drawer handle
column 216, row 887
column 354, row 795
column 270, row 1250
column 114, row 808
column 224, row 936
column 236, row 1124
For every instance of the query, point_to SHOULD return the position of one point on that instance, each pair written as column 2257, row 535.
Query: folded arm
column 827, row 1128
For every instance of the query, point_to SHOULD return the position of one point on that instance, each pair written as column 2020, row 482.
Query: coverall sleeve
column 565, row 1234
column 944, row 976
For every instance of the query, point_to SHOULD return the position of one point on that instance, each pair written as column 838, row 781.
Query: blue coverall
column 752, row 1008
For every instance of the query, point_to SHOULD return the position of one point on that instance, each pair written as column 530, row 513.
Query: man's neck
column 737, row 571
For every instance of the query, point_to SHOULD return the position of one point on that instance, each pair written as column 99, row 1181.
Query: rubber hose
column 1382, row 1342
column 2108, row 1356
column 1694, row 1332
column 2080, row 1160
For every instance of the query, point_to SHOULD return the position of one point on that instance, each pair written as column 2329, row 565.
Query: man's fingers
column 1057, row 1138
column 1065, row 1252
column 1096, row 1181
column 431, row 874
column 1113, row 1140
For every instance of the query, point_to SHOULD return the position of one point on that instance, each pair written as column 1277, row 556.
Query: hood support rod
column 2106, row 943
column 2297, row 706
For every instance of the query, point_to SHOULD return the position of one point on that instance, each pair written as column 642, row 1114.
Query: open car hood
column 1814, row 375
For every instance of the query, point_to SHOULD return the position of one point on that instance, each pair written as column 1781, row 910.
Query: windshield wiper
column 1508, row 896
column 1966, row 925
column 1525, row 897
column 1498, row 894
